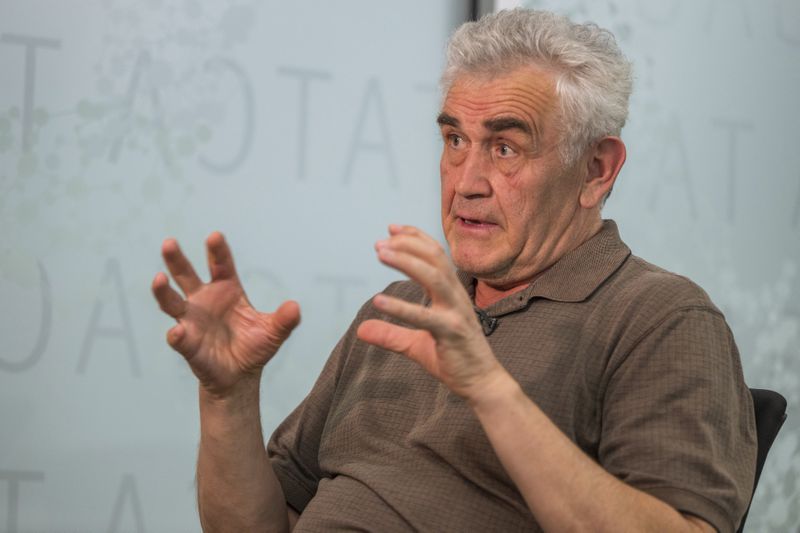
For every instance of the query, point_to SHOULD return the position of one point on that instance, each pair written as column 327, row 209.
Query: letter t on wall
column 305, row 77
column 29, row 90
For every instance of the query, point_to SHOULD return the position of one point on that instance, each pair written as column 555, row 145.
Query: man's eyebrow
column 447, row 120
column 507, row 123
column 495, row 125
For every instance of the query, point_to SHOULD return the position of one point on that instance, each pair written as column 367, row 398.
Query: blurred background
column 301, row 130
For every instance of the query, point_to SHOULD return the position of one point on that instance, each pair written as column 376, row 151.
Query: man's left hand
column 449, row 342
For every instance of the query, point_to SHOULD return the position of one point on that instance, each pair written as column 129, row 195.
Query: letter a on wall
column 127, row 497
column 360, row 144
column 122, row 332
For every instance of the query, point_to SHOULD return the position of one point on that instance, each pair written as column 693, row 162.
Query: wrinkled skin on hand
column 219, row 333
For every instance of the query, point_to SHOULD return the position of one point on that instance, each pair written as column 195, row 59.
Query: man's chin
column 477, row 265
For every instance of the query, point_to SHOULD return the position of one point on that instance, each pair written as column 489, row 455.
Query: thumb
column 417, row 345
column 414, row 343
column 179, row 340
column 285, row 319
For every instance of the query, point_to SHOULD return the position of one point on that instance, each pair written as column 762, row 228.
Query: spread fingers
column 220, row 259
column 181, row 269
column 168, row 299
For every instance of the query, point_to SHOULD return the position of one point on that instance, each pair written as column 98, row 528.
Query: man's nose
column 473, row 179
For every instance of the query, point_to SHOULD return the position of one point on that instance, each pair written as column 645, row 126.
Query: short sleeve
column 678, row 419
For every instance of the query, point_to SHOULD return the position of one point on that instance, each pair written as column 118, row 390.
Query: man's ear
column 605, row 159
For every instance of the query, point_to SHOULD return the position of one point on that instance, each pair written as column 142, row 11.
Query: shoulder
column 642, row 300
column 644, row 286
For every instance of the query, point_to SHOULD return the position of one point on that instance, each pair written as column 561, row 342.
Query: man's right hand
column 223, row 338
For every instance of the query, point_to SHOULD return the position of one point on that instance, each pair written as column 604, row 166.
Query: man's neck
column 486, row 294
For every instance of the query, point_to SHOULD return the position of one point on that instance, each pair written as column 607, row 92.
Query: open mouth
column 473, row 222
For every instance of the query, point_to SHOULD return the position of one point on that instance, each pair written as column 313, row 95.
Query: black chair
column 770, row 410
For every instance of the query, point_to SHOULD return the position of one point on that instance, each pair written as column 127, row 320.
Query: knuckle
column 178, row 344
column 451, row 323
column 400, row 241
column 172, row 340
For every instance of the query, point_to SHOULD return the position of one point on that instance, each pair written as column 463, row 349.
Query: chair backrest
column 770, row 408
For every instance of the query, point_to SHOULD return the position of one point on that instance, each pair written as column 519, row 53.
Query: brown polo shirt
column 634, row 364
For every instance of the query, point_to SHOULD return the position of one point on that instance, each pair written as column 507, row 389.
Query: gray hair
column 593, row 78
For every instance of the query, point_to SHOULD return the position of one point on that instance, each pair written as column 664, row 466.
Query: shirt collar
column 573, row 278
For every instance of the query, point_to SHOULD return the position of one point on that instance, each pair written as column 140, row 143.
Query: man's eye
column 455, row 140
column 505, row 150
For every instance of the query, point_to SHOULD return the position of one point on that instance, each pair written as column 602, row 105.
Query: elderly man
column 553, row 381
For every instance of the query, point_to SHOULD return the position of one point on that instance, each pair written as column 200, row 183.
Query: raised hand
column 449, row 343
column 223, row 338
